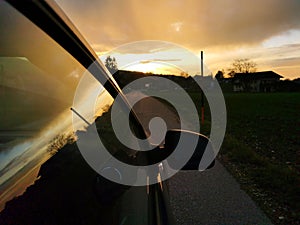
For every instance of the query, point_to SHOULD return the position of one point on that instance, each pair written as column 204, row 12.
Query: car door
column 41, row 56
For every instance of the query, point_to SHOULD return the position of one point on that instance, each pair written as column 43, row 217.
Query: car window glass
column 38, row 80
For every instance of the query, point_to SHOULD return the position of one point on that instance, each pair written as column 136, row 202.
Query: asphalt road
column 212, row 197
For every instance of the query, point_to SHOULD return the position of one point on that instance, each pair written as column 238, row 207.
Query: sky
column 265, row 31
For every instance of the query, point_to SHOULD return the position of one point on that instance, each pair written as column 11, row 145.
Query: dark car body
column 74, row 193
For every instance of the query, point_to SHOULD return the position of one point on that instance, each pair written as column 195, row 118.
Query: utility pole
column 202, row 94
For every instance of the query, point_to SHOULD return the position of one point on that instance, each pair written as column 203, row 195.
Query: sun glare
column 155, row 68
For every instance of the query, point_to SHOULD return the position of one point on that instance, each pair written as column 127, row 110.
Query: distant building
column 264, row 81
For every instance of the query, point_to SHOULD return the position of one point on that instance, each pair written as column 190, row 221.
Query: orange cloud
column 194, row 24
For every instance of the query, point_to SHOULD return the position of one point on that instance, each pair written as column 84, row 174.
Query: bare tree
column 242, row 66
column 231, row 73
column 111, row 64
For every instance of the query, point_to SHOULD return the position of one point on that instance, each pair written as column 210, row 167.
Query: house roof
column 258, row 75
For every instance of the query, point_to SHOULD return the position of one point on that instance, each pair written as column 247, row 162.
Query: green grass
column 269, row 123
column 240, row 153
column 262, row 143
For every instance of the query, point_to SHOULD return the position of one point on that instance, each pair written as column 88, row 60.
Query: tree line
column 243, row 65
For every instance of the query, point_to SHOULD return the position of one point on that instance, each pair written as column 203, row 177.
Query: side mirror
column 203, row 146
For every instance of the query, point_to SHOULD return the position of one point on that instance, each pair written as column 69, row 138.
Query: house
column 264, row 81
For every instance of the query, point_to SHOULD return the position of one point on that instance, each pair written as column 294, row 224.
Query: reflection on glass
column 38, row 79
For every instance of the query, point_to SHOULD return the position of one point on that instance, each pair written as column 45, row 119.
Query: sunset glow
column 222, row 29
column 148, row 68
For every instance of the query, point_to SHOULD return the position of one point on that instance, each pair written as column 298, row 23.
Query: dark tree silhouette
column 242, row 66
column 219, row 75
column 184, row 74
column 111, row 64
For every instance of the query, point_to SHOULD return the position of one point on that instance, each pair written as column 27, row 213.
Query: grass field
column 262, row 149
